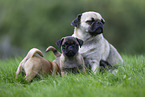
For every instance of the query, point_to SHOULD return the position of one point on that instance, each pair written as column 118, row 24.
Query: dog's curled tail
column 33, row 51
column 53, row 49
column 29, row 55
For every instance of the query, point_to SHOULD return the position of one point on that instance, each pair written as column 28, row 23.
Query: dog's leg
column 63, row 73
column 55, row 69
column 84, row 70
column 104, row 65
column 30, row 76
column 19, row 70
column 94, row 66
column 114, row 57
column 31, row 71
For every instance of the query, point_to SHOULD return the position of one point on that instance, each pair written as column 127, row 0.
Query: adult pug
column 33, row 65
column 89, row 27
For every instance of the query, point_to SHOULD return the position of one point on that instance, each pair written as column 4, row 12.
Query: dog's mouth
column 96, row 28
column 70, row 53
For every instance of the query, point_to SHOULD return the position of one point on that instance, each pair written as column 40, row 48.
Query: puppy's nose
column 70, row 48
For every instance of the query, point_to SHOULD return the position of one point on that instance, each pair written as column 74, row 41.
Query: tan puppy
column 33, row 65
column 70, row 60
column 89, row 27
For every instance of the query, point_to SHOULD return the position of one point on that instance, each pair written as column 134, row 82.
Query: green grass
column 128, row 82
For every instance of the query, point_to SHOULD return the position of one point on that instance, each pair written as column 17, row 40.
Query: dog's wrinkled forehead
column 69, row 40
column 89, row 15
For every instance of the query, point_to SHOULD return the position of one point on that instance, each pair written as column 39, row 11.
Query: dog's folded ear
column 80, row 41
column 59, row 42
column 76, row 21
column 103, row 21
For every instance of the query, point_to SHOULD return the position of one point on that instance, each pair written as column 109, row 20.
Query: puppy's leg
column 55, row 69
column 63, row 73
column 94, row 66
column 31, row 72
column 61, row 70
column 19, row 70
column 30, row 75
column 114, row 57
column 84, row 71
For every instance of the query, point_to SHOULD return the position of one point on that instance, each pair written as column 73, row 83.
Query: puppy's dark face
column 91, row 22
column 69, row 45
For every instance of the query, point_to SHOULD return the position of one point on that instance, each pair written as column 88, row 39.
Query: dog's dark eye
column 75, row 45
column 63, row 46
column 66, row 43
column 90, row 21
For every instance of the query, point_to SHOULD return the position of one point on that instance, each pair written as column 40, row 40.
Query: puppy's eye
column 74, row 44
column 63, row 46
column 66, row 43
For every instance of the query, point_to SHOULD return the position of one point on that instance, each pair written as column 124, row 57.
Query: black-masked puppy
column 33, row 65
column 89, row 27
column 70, row 60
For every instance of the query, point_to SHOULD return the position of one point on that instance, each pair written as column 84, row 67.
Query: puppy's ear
column 59, row 42
column 103, row 21
column 76, row 21
column 80, row 41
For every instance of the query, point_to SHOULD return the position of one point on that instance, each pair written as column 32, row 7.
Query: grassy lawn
column 128, row 82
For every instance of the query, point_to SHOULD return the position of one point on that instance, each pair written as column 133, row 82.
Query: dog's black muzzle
column 96, row 28
column 71, row 51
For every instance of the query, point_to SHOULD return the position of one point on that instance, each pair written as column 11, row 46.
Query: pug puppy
column 89, row 26
column 70, row 60
column 33, row 65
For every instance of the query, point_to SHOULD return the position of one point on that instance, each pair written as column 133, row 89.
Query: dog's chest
column 72, row 66
column 90, row 48
column 95, row 50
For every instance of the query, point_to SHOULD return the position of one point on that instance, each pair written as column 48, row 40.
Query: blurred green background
column 25, row 24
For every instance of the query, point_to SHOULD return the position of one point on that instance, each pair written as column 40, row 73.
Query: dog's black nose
column 70, row 48
column 96, row 28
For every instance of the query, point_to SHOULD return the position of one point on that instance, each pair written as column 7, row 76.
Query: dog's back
column 39, row 65
column 33, row 65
